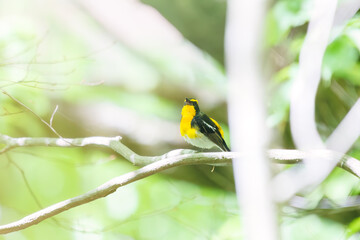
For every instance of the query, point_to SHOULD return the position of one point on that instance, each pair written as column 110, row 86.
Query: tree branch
column 153, row 164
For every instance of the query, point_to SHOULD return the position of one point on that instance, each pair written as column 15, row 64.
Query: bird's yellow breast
column 187, row 114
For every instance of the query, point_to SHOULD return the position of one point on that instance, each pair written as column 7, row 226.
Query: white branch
column 155, row 164
column 347, row 132
column 324, row 17
column 302, row 105
column 249, row 135
column 110, row 187
column 345, row 10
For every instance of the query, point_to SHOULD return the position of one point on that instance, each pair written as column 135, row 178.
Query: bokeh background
column 124, row 68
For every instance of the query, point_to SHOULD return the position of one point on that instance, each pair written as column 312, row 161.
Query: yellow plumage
column 200, row 130
column 220, row 129
column 188, row 112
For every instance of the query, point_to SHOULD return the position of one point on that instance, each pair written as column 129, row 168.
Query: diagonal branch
column 28, row 109
column 110, row 187
column 153, row 164
column 326, row 14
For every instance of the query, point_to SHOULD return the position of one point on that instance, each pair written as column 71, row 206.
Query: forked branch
column 153, row 165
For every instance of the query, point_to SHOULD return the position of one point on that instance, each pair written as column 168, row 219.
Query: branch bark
column 154, row 164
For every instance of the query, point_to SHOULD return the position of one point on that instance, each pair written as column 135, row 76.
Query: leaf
column 354, row 227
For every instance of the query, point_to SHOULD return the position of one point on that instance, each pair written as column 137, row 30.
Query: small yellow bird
column 200, row 130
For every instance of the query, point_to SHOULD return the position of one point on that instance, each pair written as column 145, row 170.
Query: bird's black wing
column 207, row 127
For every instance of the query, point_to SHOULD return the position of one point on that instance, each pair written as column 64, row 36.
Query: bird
column 200, row 130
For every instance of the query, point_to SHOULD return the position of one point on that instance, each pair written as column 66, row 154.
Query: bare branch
column 281, row 156
column 29, row 109
column 325, row 16
column 110, row 187
column 154, row 164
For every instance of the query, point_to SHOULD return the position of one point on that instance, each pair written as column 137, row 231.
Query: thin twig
column 31, row 191
column 53, row 114
column 63, row 60
column 29, row 109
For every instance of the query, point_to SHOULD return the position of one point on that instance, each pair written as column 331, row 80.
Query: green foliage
column 116, row 89
column 312, row 227
column 354, row 227
column 341, row 61
column 283, row 17
column 201, row 22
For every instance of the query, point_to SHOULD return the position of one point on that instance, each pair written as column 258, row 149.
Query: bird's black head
column 192, row 102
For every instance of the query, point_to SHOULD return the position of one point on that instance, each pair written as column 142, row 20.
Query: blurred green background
column 124, row 68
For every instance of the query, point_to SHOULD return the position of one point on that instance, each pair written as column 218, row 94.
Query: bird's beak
column 187, row 101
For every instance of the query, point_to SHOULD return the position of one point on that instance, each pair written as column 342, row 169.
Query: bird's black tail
column 224, row 147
